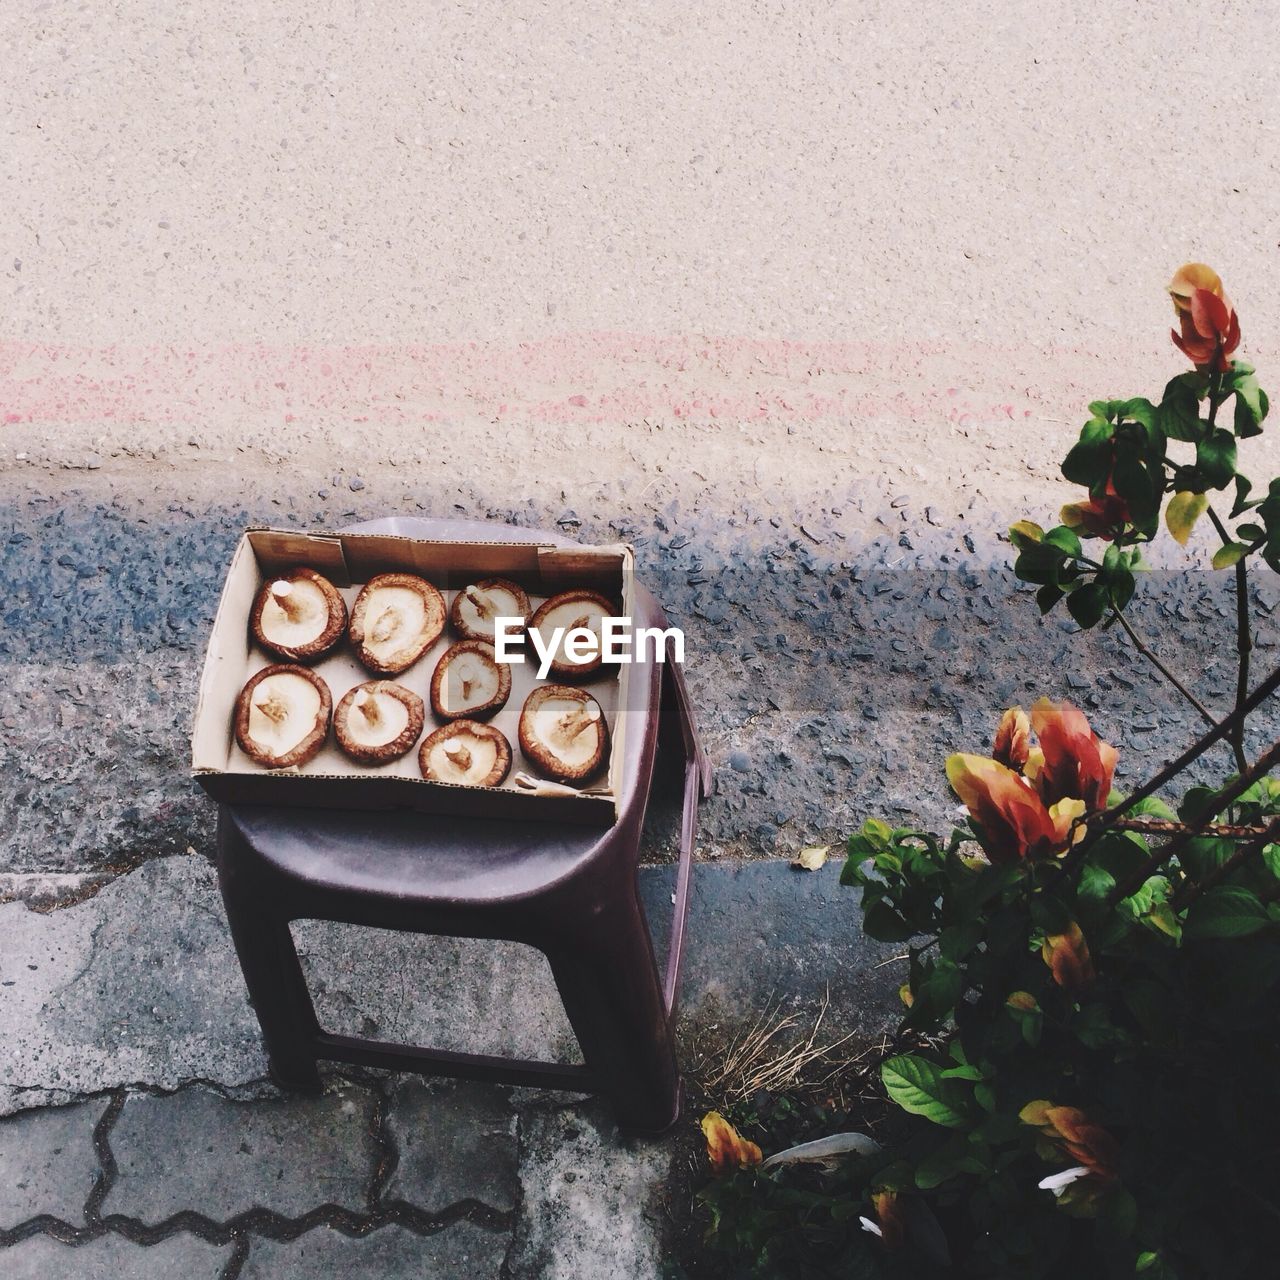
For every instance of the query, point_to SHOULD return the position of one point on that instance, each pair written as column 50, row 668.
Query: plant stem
column 1100, row 823
column 1228, row 795
column 1244, row 641
column 1190, row 892
column 1150, row 655
column 1163, row 827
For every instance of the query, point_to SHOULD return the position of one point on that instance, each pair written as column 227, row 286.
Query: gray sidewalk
column 143, row 1136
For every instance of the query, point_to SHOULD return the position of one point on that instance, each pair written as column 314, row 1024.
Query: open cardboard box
column 331, row 780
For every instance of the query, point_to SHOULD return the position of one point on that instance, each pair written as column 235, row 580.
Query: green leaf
column 1181, row 514
column 917, row 1086
column 1087, row 604
column 1251, row 403
column 1153, row 807
column 1216, row 458
column 956, row 942
column 1243, row 485
column 1065, row 540
column 1089, row 461
column 1197, row 803
column 1179, row 411
column 1231, row 553
column 1039, row 564
column 881, row 922
column 1120, row 587
column 1094, row 1028
column 936, row 996
column 877, row 831
column 1095, row 882
column 1025, row 533
column 1271, row 858
column 1133, row 483
column 1119, row 1213
column 1203, row 855
column 951, row 1158
column 1164, row 919
column 1048, row 596
column 1139, row 410
column 1228, row 911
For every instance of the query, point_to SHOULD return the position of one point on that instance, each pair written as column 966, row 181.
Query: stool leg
column 678, row 693
column 608, row 981
column 272, row 972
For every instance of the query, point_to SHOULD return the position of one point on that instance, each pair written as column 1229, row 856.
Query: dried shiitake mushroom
column 469, row 682
column 282, row 716
column 396, row 618
column 572, row 610
column 466, row 752
column 476, row 607
column 298, row 615
column 378, row 721
column 563, row 732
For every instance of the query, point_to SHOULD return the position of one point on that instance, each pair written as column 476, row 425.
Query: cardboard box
column 331, row 780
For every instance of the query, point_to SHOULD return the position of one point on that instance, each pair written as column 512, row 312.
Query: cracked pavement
column 142, row 1132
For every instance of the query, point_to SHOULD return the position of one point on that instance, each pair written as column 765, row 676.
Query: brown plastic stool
column 571, row 891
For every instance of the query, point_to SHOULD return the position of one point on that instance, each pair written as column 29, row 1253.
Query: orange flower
column 891, row 1224
column 1012, row 820
column 1187, row 279
column 1209, row 324
column 1078, row 1136
column 1099, row 517
column 1067, row 955
column 726, row 1148
column 1013, row 738
column 1077, row 763
column 1067, row 1131
column 1085, row 1141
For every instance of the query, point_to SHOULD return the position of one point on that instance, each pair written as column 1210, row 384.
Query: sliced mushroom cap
column 563, row 732
column 476, row 608
column 469, row 682
column 466, row 753
column 282, row 716
column 298, row 615
column 572, row 610
column 378, row 721
column 396, row 618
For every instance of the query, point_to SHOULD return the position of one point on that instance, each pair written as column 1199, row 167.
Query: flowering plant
column 1093, row 978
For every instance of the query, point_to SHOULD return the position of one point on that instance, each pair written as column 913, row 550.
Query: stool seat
column 417, row 856
column 570, row 890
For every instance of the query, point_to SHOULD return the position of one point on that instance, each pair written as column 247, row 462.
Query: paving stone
column 197, row 1150
column 48, row 1164
column 587, row 1198
column 456, row 1141
column 471, row 995
column 460, row 1250
column 115, row 1258
column 139, row 983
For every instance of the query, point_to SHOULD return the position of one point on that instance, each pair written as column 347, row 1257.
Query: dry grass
column 786, row 1053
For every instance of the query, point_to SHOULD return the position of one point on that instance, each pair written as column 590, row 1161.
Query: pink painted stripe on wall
column 593, row 377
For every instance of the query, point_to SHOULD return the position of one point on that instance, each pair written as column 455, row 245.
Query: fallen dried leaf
column 811, row 858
